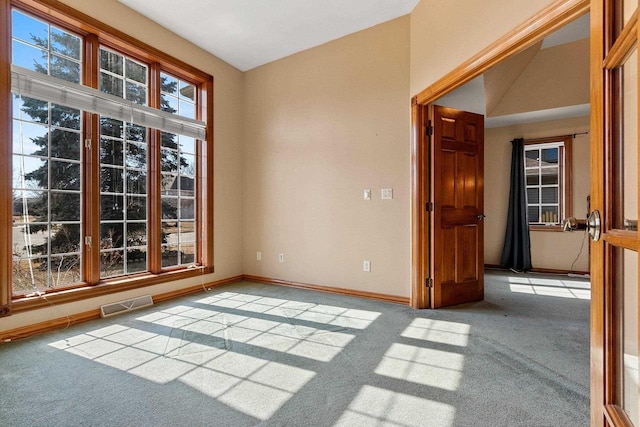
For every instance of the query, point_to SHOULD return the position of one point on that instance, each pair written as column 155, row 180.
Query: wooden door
column 457, row 207
column 615, row 396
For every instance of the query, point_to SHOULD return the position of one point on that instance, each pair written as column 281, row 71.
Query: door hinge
column 429, row 129
column 88, row 240
column 87, row 143
column 429, row 207
column 429, row 282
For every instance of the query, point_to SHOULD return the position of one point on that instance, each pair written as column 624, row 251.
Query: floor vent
column 127, row 305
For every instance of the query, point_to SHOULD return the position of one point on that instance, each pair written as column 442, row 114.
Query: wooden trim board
column 329, row 289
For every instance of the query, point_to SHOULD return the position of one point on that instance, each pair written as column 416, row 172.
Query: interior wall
column 552, row 250
column 321, row 126
column 444, row 34
column 227, row 152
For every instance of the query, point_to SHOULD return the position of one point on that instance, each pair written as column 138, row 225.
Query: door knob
column 480, row 217
column 593, row 225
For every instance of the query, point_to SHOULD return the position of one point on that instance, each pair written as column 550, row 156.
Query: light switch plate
column 367, row 194
column 387, row 194
column 366, row 265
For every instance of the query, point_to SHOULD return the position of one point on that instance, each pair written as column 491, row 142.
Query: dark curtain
column 516, row 253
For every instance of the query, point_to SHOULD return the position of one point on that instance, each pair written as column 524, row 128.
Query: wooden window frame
column 96, row 34
column 565, row 164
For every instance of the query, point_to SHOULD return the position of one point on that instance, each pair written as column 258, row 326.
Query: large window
column 548, row 181
column 106, row 156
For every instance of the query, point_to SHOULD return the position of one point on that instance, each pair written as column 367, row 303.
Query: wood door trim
column 5, row 158
column 623, row 45
column 554, row 16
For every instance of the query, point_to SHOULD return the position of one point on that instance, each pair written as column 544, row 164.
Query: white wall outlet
column 281, row 257
column 386, row 194
column 259, row 256
column 367, row 194
column 366, row 265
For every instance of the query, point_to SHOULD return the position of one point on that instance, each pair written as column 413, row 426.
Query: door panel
column 458, row 205
column 614, row 190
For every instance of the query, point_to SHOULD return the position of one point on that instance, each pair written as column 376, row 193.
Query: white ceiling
column 249, row 33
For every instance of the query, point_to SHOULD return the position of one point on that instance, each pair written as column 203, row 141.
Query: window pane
column 111, row 127
column 168, row 160
column 65, row 117
column 169, row 208
column 136, row 208
column 65, row 206
column 111, row 61
column 187, row 253
column 187, row 231
column 31, row 109
column 188, row 164
column 550, row 195
column 168, row 84
column 549, row 156
column 533, row 177
column 187, row 91
column 65, row 175
column 168, row 103
column 30, row 207
column 187, row 186
column 65, row 144
column 65, row 69
column 534, row 214
column 549, row 176
column 169, row 255
column 65, row 43
column 29, row 29
column 111, row 207
column 111, row 84
column 187, row 109
column 187, row 209
column 136, row 182
column 187, row 144
column 65, row 271
column 65, row 238
column 137, row 234
column 111, row 235
column 136, row 93
column 136, row 261
column 136, row 156
column 30, row 57
column 111, row 152
column 30, row 275
column 30, row 172
column 532, row 158
column 111, row 263
column 30, row 138
column 533, row 195
column 549, row 214
column 111, row 180
column 137, row 72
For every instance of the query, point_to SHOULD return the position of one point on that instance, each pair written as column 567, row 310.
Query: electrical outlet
column 281, row 257
column 366, row 265
column 386, row 194
column 259, row 256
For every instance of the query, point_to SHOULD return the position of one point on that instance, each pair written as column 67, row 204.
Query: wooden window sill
column 105, row 287
column 540, row 227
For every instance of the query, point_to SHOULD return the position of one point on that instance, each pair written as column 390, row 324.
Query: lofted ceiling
column 549, row 80
column 250, row 33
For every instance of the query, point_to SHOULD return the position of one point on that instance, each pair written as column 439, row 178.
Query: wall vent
column 127, row 305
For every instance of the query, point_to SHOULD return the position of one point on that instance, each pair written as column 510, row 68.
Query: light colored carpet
column 252, row 354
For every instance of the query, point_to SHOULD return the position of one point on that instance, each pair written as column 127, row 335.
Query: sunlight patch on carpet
column 426, row 366
column 375, row 406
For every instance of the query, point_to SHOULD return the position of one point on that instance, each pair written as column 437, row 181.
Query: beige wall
column 321, row 126
column 552, row 250
column 228, row 155
column 446, row 33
